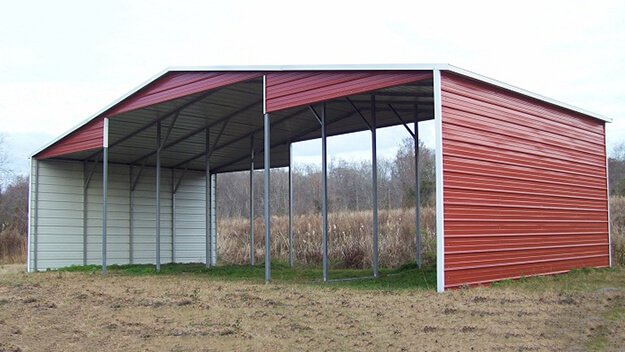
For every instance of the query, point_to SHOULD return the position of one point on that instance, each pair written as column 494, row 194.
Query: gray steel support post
column 36, row 219
column 173, row 215
column 208, row 202
column 214, row 234
column 158, row 197
column 374, row 188
column 417, row 167
column 85, row 189
column 324, row 192
column 105, row 184
column 131, row 218
column 252, row 254
column 291, row 254
column 267, row 152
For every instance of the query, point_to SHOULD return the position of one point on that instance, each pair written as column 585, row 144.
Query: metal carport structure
column 521, row 179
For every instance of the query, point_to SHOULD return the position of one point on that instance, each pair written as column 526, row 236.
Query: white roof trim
column 364, row 67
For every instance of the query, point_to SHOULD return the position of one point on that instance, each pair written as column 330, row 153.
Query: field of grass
column 191, row 308
column 349, row 238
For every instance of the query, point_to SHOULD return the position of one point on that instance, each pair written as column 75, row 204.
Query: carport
column 521, row 179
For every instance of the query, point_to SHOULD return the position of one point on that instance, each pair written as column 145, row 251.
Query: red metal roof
column 289, row 89
column 524, row 185
column 170, row 86
column 87, row 137
column 175, row 85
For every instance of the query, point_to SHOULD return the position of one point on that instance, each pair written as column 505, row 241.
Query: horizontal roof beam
column 217, row 169
column 198, row 130
column 161, row 118
column 247, row 135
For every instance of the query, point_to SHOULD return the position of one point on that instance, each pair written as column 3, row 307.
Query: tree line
column 349, row 185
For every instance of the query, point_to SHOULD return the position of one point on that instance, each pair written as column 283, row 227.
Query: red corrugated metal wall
column 289, row 89
column 524, row 185
column 88, row 137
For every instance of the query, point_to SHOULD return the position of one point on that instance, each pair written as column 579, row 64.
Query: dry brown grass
column 349, row 238
column 617, row 217
column 60, row 311
column 12, row 246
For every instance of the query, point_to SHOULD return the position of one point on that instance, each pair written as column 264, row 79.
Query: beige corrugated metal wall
column 57, row 202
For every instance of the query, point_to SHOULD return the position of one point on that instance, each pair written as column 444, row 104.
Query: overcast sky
column 62, row 61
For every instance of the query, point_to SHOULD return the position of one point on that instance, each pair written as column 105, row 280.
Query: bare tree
column 349, row 185
column 616, row 169
column 4, row 164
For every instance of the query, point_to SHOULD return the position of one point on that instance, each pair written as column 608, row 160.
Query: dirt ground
column 85, row 312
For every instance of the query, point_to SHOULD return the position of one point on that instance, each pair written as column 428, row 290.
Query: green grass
column 581, row 280
column 405, row 277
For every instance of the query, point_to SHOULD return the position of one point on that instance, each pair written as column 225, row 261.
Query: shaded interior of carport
column 218, row 122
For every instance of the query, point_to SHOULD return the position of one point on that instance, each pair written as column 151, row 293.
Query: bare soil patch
column 61, row 311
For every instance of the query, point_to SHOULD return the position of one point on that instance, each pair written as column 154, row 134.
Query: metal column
column 105, row 177
column 252, row 202
column 324, row 192
column 374, row 177
column 417, row 167
column 131, row 215
column 267, row 152
column 214, row 219
column 36, row 218
column 291, row 254
column 208, row 203
column 158, row 197
column 440, row 209
column 173, row 215
column 85, row 188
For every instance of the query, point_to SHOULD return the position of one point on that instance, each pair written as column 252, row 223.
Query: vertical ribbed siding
column 524, row 186
column 190, row 218
column 60, row 216
column 290, row 89
column 117, row 243
column 144, row 217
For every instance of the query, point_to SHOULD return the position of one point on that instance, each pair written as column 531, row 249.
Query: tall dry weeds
column 349, row 238
column 617, row 219
column 12, row 246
